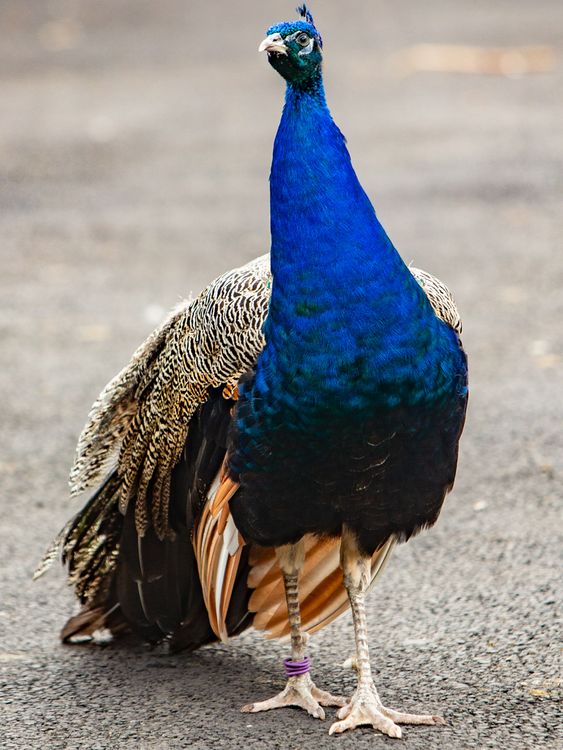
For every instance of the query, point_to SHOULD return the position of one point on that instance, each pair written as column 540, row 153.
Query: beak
column 273, row 43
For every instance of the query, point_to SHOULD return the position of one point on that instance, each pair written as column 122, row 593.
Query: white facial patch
column 306, row 50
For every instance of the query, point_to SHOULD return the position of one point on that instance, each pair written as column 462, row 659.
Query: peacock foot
column 365, row 708
column 300, row 691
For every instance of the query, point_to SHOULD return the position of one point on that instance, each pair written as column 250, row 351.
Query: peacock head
column 295, row 49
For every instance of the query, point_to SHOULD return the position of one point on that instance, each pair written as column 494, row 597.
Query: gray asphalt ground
column 135, row 140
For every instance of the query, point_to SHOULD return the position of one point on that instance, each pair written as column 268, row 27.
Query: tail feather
column 321, row 590
column 93, row 620
column 145, row 567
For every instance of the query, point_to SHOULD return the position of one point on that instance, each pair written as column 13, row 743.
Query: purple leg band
column 295, row 668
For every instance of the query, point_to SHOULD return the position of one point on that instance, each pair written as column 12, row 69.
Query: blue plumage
column 345, row 306
column 353, row 347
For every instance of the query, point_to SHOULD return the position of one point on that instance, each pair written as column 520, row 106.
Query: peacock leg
column 365, row 707
column 300, row 690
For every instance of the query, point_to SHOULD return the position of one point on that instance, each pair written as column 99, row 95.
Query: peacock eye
column 303, row 39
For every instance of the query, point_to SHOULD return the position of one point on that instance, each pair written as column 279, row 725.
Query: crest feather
column 305, row 13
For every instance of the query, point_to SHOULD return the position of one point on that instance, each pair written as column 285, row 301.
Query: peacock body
column 262, row 452
column 357, row 372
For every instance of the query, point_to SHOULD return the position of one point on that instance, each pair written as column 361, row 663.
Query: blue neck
column 345, row 313
column 318, row 207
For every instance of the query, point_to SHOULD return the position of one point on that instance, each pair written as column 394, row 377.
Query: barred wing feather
column 141, row 418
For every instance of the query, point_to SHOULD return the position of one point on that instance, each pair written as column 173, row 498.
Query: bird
column 264, row 450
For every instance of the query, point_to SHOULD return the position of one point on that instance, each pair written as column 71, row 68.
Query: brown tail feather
column 270, row 590
column 321, row 590
column 264, row 566
column 82, row 627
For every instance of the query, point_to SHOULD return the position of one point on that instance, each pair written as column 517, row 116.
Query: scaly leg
column 365, row 707
column 300, row 689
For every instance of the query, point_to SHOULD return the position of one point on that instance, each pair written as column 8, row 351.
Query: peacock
column 267, row 446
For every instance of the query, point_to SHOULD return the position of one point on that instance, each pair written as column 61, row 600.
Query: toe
column 403, row 718
column 335, row 728
column 393, row 731
column 338, row 727
column 316, row 711
column 344, row 711
column 327, row 699
column 386, row 726
column 253, row 708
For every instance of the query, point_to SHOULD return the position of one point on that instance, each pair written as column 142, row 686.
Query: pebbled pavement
column 135, row 140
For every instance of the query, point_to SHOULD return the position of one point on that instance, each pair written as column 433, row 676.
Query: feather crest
column 305, row 13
